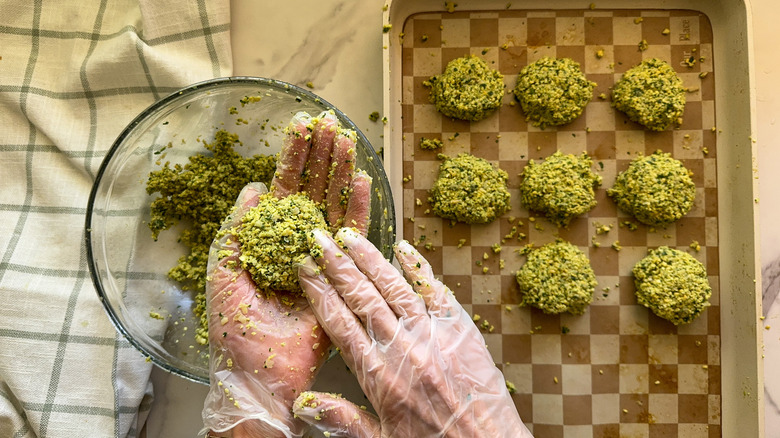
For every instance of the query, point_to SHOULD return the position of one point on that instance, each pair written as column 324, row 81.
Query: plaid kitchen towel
column 73, row 73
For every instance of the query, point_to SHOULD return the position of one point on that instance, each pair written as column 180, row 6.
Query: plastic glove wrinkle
column 357, row 290
column 257, row 344
column 418, row 272
column 294, row 154
column 318, row 167
column 337, row 320
column 398, row 294
column 433, row 376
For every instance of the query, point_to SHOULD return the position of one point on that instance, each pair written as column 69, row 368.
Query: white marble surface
column 336, row 45
column 766, row 66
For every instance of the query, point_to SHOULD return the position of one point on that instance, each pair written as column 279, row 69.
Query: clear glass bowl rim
column 151, row 109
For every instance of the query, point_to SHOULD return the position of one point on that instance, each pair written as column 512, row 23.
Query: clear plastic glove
column 418, row 356
column 265, row 352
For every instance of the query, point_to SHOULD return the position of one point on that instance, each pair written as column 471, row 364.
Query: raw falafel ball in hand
column 552, row 91
column 265, row 347
column 672, row 284
column 467, row 90
column 274, row 239
column 469, row 190
column 557, row 278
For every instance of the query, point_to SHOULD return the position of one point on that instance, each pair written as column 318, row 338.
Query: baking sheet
column 619, row 370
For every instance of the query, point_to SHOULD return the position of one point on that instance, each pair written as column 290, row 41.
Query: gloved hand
column 418, row 356
column 265, row 349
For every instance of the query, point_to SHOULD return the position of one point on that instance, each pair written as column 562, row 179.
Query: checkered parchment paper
column 72, row 75
column 618, row 370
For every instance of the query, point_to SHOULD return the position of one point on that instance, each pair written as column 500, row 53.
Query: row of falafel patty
column 555, row 91
column 656, row 190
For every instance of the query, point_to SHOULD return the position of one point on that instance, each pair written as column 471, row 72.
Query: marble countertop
column 321, row 47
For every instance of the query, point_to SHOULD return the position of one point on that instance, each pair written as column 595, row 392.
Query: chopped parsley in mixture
column 561, row 187
column 273, row 238
column 470, row 190
column 553, row 92
column 200, row 194
column 467, row 90
column 557, row 278
column 673, row 284
column 656, row 189
column 651, row 94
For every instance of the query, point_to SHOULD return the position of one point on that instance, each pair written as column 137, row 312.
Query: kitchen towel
column 72, row 75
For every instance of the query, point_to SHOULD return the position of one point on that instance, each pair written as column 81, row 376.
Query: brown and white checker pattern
column 619, row 370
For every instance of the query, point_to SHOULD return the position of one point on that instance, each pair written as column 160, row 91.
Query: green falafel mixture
column 552, row 91
column 657, row 189
column 430, row 144
column 273, row 239
column 470, row 190
column 467, row 90
column 650, row 94
column 200, row 194
column 561, row 187
column 557, row 278
column 673, row 284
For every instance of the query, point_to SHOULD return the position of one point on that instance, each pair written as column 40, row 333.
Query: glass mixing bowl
column 128, row 267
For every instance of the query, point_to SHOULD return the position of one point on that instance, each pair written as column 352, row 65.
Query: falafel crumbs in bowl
column 164, row 188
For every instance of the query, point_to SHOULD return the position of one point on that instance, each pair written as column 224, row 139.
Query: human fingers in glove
column 416, row 353
column 265, row 344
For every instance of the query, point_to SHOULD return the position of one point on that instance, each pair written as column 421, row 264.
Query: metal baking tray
column 618, row 370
